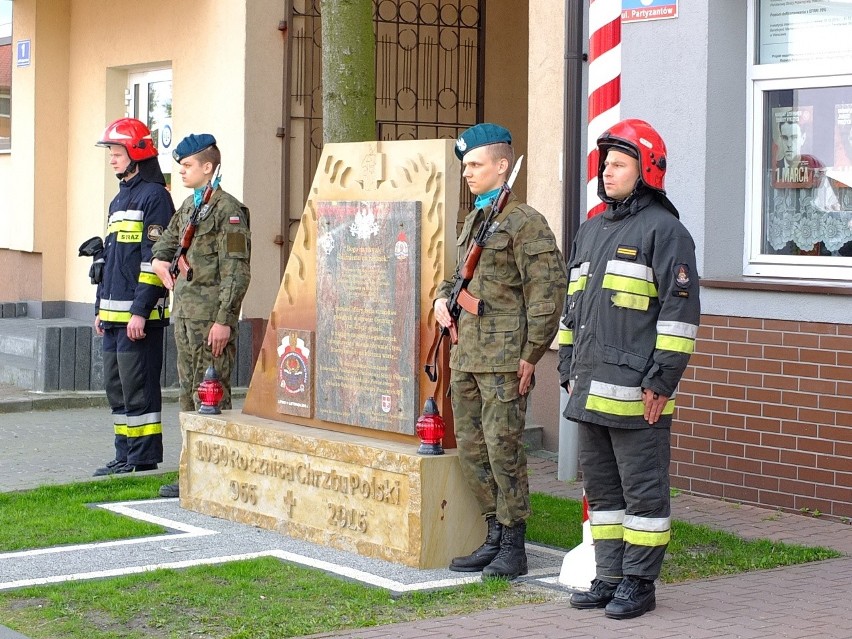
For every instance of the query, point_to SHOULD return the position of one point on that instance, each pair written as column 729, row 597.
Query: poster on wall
column 645, row 10
column 805, row 31
column 792, row 130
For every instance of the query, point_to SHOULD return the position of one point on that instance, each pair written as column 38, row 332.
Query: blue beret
column 481, row 135
column 192, row 144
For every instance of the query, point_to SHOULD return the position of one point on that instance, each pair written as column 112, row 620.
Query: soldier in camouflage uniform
column 521, row 279
column 206, row 309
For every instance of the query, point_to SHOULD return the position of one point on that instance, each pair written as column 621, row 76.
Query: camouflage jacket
column 521, row 278
column 219, row 257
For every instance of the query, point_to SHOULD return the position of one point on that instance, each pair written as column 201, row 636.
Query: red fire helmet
column 639, row 139
column 133, row 135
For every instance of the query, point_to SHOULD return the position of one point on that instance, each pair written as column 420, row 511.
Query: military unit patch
column 234, row 219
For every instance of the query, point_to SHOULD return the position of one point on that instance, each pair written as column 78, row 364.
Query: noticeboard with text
column 644, row 10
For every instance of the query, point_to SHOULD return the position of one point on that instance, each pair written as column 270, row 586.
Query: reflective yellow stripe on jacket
column 676, row 336
column 147, row 275
column 625, row 401
column 127, row 226
column 119, row 310
column 633, row 284
column 577, row 278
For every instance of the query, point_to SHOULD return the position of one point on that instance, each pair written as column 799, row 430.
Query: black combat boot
column 598, row 596
column 511, row 561
column 633, row 598
column 484, row 555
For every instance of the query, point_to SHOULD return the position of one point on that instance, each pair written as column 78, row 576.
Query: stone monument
column 325, row 448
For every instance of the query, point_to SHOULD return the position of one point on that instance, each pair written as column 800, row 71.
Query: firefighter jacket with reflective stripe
column 631, row 313
column 138, row 215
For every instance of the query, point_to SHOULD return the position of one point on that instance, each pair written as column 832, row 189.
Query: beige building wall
column 224, row 82
column 546, row 71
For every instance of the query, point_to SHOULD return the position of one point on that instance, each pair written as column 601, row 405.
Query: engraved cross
column 289, row 502
column 372, row 169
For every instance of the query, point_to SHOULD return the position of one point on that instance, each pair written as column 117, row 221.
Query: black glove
column 96, row 271
column 94, row 248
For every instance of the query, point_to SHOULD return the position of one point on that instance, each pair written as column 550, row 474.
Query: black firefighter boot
column 484, row 555
column 633, row 598
column 511, row 561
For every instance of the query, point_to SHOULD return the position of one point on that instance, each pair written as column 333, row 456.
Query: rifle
column 460, row 298
column 180, row 264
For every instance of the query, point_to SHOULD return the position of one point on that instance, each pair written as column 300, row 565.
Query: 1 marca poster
column 792, row 130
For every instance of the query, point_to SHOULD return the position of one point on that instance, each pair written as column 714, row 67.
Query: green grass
column 265, row 598
column 58, row 515
column 255, row 599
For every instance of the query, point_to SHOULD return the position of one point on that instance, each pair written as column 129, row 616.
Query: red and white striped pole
column 604, row 87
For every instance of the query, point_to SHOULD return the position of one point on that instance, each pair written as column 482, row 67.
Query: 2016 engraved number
column 344, row 517
column 244, row 492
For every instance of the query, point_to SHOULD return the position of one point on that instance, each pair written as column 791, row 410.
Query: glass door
column 149, row 98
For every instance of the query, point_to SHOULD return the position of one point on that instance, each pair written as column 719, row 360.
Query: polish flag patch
column 234, row 219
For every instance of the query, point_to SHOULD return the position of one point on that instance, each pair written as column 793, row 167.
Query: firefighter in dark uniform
column 629, row 326
column 521, row 280
column 132, row 304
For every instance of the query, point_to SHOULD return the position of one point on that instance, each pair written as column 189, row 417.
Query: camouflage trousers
column 489, row 416
column 193, row 358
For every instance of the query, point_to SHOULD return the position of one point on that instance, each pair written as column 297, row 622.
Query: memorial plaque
column 368, row 257
column 295, row 372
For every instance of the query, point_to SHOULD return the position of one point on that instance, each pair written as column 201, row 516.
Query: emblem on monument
column 386, row 403
column 326, row 242
column 401, row 247
column 293, row 365
column 294, row 372
column 365, row 225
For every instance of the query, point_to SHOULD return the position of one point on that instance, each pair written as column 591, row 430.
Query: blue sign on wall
column 23, row 53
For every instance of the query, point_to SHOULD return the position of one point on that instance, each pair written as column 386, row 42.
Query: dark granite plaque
column 368, row 294
column 295, row 372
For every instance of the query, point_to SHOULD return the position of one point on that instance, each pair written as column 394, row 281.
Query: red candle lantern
column 210, row 392
column 430, row 428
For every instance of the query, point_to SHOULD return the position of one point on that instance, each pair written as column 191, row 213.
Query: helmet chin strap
column 130, row 169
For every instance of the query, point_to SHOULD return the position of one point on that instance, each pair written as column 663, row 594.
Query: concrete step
column 18, row 345
column 533, row 437
column 17, row 371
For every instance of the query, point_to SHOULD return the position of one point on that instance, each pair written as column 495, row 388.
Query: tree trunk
column 348, row 71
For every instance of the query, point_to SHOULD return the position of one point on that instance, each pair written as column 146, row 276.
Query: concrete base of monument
column 368, row 496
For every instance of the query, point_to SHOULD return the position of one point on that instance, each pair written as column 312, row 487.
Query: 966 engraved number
column 344, row 517
column 244, row 492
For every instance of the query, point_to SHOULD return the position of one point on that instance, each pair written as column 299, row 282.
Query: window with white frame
column 149, row 98
column 800, row 184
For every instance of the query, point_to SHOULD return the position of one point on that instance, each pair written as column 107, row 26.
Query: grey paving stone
column 47, row 359
column 67, row 357
column 83, row 358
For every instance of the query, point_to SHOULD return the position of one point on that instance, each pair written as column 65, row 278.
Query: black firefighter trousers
column 626, row 479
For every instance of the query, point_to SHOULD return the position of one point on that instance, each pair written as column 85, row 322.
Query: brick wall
column 765, row 415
